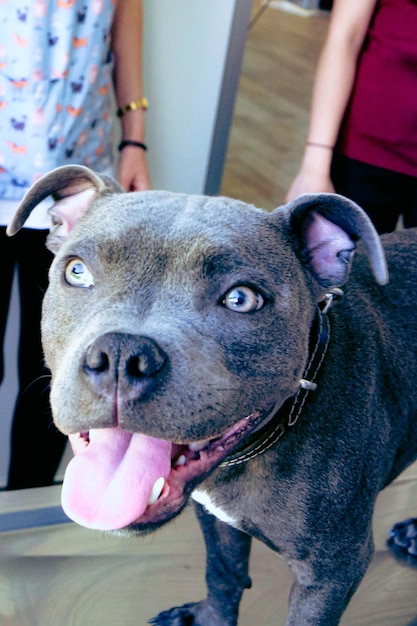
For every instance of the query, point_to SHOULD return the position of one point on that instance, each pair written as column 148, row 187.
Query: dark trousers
column 36, row 445
column 384, row 195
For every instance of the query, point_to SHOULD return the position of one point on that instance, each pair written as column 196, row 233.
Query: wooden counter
column 54, row 573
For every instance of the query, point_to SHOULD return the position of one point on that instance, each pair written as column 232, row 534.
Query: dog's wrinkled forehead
column 169, row 228
column 173, row 214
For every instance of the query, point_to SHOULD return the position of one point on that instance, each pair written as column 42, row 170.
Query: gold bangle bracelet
column 141, row 104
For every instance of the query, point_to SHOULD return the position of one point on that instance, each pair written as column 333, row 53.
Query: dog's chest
column 203, row 498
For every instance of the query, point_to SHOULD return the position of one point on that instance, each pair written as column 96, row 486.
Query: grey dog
column 203, row 348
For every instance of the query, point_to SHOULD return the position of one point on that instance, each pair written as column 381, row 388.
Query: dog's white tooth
column 196, row 446
column 181, row 460
column 156, row 490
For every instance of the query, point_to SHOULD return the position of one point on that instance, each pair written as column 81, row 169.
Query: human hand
column 309, row 182
column 132, row 170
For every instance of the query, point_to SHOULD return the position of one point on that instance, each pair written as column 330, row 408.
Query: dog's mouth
column 118, row 479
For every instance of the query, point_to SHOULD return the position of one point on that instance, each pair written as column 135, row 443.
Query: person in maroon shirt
column 362, row 138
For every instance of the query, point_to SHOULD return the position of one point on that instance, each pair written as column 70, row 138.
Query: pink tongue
column 108, row 483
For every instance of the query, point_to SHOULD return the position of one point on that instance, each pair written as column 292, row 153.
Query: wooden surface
column 63, row 575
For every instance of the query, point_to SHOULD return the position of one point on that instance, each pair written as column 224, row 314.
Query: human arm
column 332, row 88
column 127, row 26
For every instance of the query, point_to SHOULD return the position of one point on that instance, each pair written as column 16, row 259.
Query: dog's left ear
column 326, row 228
column 73, row 188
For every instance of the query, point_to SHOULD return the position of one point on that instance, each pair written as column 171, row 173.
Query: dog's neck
column 286, row 416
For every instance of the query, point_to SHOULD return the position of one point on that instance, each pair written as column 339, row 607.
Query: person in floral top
column 65, row 65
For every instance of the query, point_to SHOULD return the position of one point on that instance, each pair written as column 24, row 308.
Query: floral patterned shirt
column 56, row 98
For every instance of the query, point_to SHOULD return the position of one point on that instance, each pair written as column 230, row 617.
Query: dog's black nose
column 128, row 362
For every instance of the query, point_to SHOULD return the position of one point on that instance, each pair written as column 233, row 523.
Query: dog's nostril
column 97, row 361
column 142, row 365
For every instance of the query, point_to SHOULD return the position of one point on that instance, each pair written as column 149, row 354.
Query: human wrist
column 317, row 161
column 133, row 126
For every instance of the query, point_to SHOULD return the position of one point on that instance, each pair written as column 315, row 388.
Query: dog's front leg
column 227, row 576
column 321, row 592
column 227, row 565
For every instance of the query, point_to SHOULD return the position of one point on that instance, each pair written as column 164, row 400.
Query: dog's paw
column 403, row 541
column 193, row 614
column 177, row 616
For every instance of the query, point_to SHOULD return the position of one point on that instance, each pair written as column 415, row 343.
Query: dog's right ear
column 326, row 228
column 73, row 187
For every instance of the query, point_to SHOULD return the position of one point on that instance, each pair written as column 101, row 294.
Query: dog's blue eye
column 243, row 300
column 78, row 275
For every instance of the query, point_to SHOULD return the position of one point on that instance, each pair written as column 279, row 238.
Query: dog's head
column 172, row 325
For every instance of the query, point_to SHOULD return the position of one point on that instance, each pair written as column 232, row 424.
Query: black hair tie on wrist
column 135, row 144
